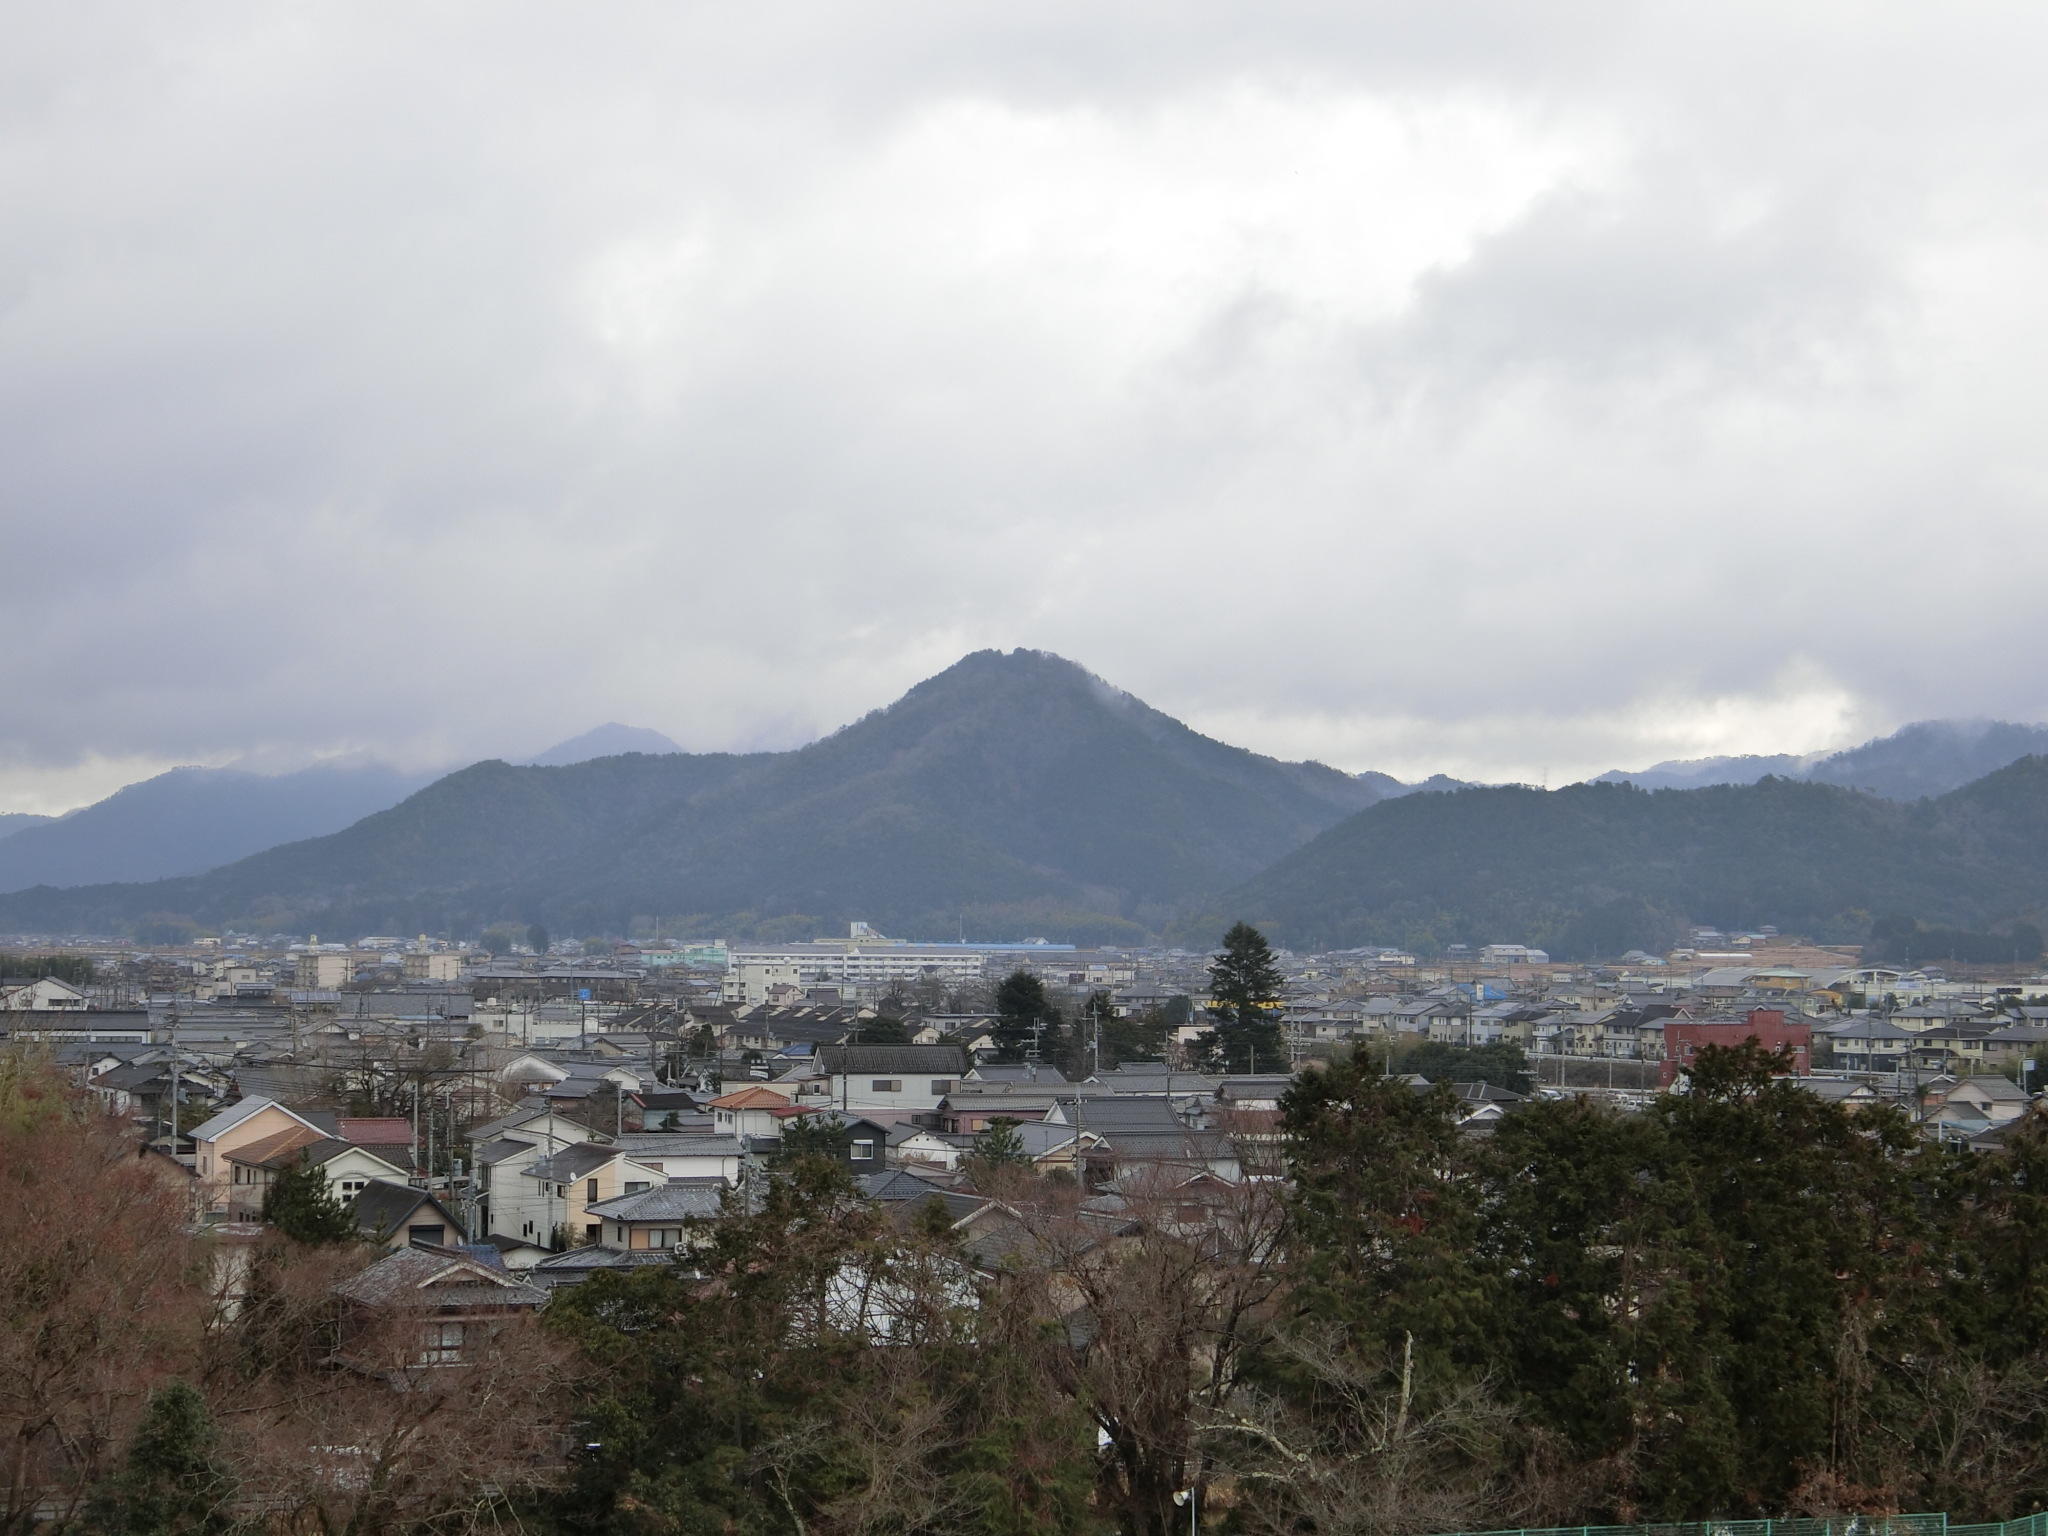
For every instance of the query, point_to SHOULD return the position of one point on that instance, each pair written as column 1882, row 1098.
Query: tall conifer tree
column 1244, row 1002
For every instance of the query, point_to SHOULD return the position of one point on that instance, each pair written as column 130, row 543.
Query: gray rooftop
column 677, row 1200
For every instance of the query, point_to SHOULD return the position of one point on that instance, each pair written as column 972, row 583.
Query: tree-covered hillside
column 1597, row 868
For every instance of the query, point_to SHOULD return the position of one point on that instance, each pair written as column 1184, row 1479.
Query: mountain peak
column 1020, row 664
column 607, row 740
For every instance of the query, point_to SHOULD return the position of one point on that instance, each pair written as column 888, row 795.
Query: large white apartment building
column 856, row 962
column 864, row 956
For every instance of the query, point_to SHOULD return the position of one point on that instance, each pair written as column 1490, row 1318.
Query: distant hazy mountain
column 1595, row 869
column 1699, row 772
column 1438, row 784
column 607, row 740
column 192, row 819
column 12, row 822
column 1929, row 757
column 1010, row 794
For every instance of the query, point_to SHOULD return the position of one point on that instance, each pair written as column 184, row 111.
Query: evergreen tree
column 1093, row 1035
column 884, row 1029
column 1025, row 1016
column 820, row 1136
column 1137, row 1036
column 1244, row 1002
column 1802, row 1230
column 1386, row 1217
column 997, row 1148
column 172, row 1482
column 537, row 938
column 1587, row 1243
column 300, row 1203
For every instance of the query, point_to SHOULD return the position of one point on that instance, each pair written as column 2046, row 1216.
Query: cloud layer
column 1514, row 390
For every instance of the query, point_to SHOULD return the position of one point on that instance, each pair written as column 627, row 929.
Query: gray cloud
column 1501, row 388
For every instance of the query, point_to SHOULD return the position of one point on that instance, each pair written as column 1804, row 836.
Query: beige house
column 238, row 1127
column 658, row 1217
column 254, row 1167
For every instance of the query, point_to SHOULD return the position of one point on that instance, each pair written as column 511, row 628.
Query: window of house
column 593, row 1231
column 528, row 1231
column 590, row 1190
column 886, row 1085
column 664, row 1237
column 863, row 1151
column 442, row 1344
column 942, row 1085
column 634, row 1186
column 435, row 1233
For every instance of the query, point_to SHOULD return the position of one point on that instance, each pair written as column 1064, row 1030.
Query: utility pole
column 174, row 1077
column 1080, row 1135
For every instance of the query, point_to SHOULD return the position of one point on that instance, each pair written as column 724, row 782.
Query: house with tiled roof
column 866, row 1079
column 389, row 1136
column 252, row 1168
column 660, row 1217
column 1868, row 1043
column 240, row 1125
column 685, row 1156
column 396, row 1215
column 454, row 1297
column 750, row 1111
column 1966, row 1107
column 573, row 1266
column 545, row 1199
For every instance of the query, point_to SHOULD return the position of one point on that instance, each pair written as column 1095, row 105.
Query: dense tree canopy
column 1744, row 1300
column 1502, row 1063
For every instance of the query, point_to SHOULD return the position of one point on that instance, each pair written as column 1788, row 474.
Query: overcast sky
column 1515, row 390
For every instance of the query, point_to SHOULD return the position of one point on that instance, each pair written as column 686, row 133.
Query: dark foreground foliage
column 1744, row 1302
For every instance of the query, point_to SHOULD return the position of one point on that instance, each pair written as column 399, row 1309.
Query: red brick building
column 1683, row 1039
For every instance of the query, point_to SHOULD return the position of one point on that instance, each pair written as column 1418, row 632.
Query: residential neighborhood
column 495, row 1145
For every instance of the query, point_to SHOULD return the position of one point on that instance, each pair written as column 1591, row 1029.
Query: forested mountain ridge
column 12, row 822
column 191, row 819
column 1014, row 790
column 1593, row 869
